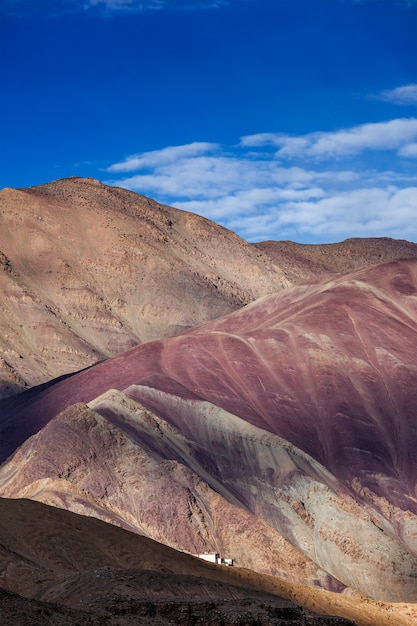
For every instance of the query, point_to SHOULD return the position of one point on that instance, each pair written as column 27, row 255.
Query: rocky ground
column 87, row 271
column 280, row 434
column 57, row 568
column 18, row 611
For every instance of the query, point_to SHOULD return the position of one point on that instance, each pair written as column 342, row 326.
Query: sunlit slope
column 297, row 409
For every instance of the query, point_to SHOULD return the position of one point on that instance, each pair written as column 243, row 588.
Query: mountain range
column 254, row 400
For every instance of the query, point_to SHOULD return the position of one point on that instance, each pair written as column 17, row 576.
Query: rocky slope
column 137, row 471
column 245, row 413
column 297, row 410
column 70, row 569
column 304, row 261
column 87, row 271
column 58, row 568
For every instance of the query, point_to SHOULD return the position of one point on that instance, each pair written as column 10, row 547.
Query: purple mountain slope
column 298, row 409
column 330, row 367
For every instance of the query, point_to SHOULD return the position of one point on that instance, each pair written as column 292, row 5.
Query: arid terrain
column 57, row 568
column 254, row 400
column 88, row 566
column 89, row 271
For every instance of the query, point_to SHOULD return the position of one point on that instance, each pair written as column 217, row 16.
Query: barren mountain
column 241, row 411
column 89, row 271
column 303, row 261
column 290, row 421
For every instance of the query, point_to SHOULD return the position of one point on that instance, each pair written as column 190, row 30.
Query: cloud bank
column 318, row 187
column 151, row 5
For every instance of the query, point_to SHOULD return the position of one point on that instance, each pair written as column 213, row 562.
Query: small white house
column 214, row 557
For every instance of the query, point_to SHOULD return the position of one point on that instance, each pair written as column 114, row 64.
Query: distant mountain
column 303, row 261
column 282, row 434
column 89, row 271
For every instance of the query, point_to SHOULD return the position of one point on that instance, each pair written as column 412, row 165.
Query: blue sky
column 280, row 119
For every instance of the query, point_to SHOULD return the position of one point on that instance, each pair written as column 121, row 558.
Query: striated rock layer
column 293, row 418
column 135, row 470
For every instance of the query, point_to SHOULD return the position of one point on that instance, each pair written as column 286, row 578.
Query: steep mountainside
column 225, row 405
column 91, row 270
column 88, row 271
column 293, row 418
column 127, row 466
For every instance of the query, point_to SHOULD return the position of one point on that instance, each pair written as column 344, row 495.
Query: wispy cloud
column 265, row 193
column 382, row 136
column 104, row 7
column 151, row 5
column 109, row 7
column 406, row 95
column 163, row 157
column 409, row 151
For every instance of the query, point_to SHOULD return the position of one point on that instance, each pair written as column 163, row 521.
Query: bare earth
column 81, row 570
column 212, row 428
column 88, row 271
column 253, row 400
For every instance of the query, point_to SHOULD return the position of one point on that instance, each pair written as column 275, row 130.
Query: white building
column 214, row 557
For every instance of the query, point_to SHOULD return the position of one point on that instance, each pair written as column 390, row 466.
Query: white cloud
column 409, row 150
column 249, row 190
column 246, row 204
column 391, row 135
column 205, row 170
column 162, row 157
column 406, row 95
column 364, row 211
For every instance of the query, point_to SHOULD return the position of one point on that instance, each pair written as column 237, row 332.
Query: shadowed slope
column 84, row 564
column 222, row 486
column 137, row 471
column 78, row 561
